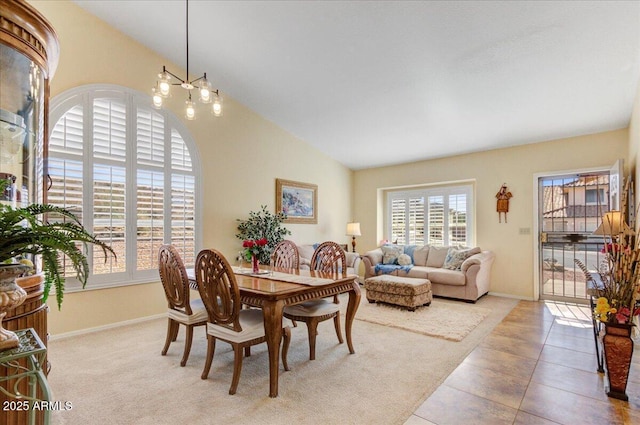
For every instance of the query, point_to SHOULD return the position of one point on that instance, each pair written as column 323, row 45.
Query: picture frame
column 298, row 201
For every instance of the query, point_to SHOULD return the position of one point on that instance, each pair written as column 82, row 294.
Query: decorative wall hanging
column 298, row 201
column 503, row 196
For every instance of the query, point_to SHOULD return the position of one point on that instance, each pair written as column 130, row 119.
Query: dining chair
column 182, row 310
column 228, row 322
column 328, row 257
column 285, row 255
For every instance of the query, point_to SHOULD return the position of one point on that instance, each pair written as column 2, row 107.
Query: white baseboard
column 104, row 327
column 499, row 294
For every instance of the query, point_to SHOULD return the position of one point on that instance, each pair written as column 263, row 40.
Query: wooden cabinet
column 29, row 51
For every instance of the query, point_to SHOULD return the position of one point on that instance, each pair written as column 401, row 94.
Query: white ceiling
column 378, row 83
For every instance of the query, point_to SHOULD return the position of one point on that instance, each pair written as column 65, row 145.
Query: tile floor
column 538, row 366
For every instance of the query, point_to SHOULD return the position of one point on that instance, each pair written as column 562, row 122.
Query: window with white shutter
column 183, row 226
column 398, row 213
column 129, row 173
column 436, row 222
column 439, row 216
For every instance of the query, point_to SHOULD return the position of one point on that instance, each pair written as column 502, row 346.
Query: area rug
column 450, row 320
column 118, row 377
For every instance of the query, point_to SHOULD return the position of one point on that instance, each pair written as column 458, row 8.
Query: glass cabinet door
column 21, row 127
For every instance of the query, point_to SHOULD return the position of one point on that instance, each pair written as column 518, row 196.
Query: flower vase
column 11, row 296
column 618, row 349
column 255, row 264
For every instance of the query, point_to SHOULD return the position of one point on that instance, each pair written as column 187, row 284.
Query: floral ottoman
column 406, row 292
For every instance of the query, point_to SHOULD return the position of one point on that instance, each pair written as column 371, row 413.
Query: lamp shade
column 353, row 229
column 613, row 224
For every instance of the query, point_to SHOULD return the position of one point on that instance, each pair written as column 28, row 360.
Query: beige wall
column 513, row 270
column 241, row 153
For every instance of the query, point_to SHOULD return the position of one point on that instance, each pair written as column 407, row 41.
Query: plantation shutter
column 109, row 182
column 436, row 220
column 65, row 165
column 149, row 137
column 458, row 220
column 150, row 184
column 180, row 158
column 183, row 216
column 438, row 216
column 109, row 129
column 398, row 220
column 109, row 216
column 416, row 221
column 149, row 218
column 65, row 168
column 127, row 171
column 67, row 135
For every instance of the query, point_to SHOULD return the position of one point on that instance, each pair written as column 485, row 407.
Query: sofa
column 306, row 252
column 454, row 272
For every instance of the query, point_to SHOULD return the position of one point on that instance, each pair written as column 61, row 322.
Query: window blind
column 127, row 172
column 439, row 216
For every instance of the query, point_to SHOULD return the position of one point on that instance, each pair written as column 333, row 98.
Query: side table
column 31, row 348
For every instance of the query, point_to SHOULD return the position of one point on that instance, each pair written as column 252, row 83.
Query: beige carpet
column 452, row 320
column 118, row 376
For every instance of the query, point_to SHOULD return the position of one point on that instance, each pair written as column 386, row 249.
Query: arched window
column 130, row 173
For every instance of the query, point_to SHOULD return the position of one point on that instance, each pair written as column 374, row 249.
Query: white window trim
column 84, row 95
column 467, row 188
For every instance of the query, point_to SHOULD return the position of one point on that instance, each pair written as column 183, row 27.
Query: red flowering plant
column 256, row 248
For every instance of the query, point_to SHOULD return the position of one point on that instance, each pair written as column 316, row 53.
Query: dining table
column 272, row 290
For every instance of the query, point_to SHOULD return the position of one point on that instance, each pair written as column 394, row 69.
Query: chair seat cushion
column 312, row 308
column 251, row 321
column 198, row 314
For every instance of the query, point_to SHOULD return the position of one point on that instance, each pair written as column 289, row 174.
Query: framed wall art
column 299, row 201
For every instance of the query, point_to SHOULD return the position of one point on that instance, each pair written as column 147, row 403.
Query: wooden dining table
column 272, row 291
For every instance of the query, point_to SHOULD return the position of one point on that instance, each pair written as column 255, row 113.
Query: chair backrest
column 329, row 257
column 218, row 289
column 174, row 279
column 285, row 255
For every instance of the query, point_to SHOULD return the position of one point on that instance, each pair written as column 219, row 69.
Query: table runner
column 285, row 277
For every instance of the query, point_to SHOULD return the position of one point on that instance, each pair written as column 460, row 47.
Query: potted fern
column 49, row 232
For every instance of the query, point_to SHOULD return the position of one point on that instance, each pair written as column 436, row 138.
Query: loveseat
column 455, row 273
column 306, row 252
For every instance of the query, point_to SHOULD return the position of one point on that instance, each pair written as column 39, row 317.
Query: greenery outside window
column 130, row 173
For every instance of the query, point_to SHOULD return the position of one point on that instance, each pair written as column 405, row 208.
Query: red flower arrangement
column 252, row 248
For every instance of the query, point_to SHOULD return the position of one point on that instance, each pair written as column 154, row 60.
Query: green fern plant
column 27, row 231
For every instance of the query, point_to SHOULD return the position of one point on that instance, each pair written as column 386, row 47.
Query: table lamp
column 353, row 229
column 612, row 225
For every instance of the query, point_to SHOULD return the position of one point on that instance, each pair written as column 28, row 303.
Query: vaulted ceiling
column 385, row 82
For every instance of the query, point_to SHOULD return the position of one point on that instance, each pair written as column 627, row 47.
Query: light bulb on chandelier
column 190, row 110
column 162, row 89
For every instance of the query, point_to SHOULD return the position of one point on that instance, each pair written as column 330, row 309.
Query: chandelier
column 162, row 89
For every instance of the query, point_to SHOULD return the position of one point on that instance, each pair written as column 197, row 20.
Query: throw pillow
column 456, row 257
column 404, row 260
column 420, row 255
column 390, row 253
column 437, row 255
